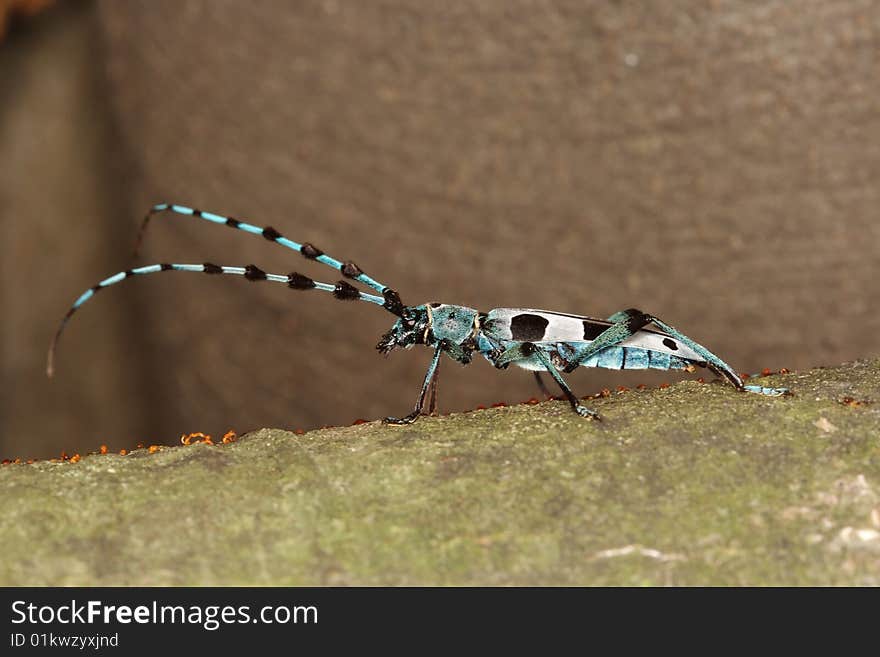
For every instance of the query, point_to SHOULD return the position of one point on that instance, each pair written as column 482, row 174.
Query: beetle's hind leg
column 770, row 392
column 716, row 364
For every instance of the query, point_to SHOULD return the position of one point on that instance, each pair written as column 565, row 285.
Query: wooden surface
column 712, row 163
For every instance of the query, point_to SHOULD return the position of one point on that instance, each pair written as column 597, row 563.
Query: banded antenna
column 390, row 299
column 342, row 290
column 348, row 269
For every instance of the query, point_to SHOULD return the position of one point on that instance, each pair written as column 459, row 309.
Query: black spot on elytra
column 311, row 251
column 528, row 327
column 669, row 342
column 593, row 330
column 211, row 268
column 435, row 305
column 297, row 281
column 271, row 234
column 345, row 291
column 254, row 273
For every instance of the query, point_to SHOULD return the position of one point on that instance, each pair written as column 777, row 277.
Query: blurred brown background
column 713, row 163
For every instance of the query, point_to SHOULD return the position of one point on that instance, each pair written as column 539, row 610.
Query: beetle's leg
column 626, row 324
column 429, row 376
column 716, row 364
column 432, row 405
column 516, row 351
column 541, row 385
column 456, row 352
column 542, row 357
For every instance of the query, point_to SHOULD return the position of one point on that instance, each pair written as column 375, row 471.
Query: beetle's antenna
column 348, row 269
column 341, row 290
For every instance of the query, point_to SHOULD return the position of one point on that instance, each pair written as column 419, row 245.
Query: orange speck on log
column 198, row 437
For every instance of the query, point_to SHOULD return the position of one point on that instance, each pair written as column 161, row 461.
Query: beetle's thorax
column 455, row 324
column 432, row 324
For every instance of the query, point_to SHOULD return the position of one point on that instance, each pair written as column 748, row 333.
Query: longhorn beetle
column 537, row 340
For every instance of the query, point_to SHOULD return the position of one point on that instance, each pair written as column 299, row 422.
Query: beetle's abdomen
column 617, row 358
column 634, row 358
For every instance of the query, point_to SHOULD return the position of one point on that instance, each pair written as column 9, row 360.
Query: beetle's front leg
column 429, row 376
column 432, row 405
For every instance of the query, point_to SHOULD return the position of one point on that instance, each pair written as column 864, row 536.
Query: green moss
column 693, row 484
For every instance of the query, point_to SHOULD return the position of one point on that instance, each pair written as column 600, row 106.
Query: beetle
column 542, row 341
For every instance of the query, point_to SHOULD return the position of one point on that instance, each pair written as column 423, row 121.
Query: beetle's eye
column 410, row 323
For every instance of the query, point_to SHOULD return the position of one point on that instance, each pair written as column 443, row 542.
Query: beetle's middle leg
column 528, row 349
column 541, row 385
column 626, row 323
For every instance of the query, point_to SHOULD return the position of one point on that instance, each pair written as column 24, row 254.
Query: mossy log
column 691, row 484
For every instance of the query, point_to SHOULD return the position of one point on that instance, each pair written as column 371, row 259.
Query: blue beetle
column 537, row 340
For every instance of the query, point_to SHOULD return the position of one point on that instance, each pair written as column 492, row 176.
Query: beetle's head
column 410, row 329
